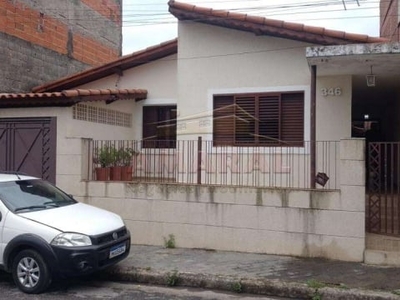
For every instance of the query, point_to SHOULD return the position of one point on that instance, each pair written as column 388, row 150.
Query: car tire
column 30, row 272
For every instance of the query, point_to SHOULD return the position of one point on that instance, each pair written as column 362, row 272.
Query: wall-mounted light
column 371, row 78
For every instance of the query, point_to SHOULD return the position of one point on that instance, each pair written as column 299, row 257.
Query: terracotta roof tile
column 219, row 13
column 187, row 6
column 69, row 97
column 255, row 19
column 314, row 29
column 337, row 34
column 273, row 23
column 266, row 26
column 361, row 37
column 293, row 26
column 235, row 16
column 203, row 10
column 125, row 62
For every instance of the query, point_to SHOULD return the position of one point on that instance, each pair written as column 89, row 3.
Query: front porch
column 373, row 108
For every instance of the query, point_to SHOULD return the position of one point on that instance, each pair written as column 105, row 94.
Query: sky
column 148, row 22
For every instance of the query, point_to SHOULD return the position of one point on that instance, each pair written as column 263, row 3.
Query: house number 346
column 336, row 91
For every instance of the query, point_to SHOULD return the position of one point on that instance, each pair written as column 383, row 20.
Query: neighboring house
column 389, row 19
column 37, row 130
column 270, row 100
column 45, row 40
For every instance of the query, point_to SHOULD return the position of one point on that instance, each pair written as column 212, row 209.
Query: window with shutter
column 269, row 119
column 292, row 119
column 245, row 120
column 159, row 126
column 269, row 115
column 223, row 120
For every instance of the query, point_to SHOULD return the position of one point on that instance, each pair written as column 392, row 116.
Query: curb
column 236, row 284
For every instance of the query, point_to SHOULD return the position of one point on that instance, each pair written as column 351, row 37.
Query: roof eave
column 263, row 26
column 68, row 98
column 116, row 67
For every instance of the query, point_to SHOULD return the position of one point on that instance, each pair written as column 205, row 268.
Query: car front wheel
column 30, row 272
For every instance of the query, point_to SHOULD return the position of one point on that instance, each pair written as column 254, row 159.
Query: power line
column 291, row 9
column 304, row 11
column 266, row 11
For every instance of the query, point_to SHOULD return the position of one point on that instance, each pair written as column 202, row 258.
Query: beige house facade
column 221, row 80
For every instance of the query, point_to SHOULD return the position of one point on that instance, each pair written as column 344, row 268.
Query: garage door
column 28, row 145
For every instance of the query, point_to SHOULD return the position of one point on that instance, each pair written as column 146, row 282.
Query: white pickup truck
column 45, row 233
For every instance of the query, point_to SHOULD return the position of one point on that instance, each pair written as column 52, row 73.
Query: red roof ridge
column 75, row 93
column 124, row 62
column 257, row 24
column 69, row 97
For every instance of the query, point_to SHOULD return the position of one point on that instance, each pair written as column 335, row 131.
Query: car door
column 3, row 217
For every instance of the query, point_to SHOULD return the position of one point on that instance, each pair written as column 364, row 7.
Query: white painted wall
column 159, row 78
column 333, row 111
column 214, row 60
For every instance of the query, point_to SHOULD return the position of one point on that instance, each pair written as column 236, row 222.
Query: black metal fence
column 200, row 162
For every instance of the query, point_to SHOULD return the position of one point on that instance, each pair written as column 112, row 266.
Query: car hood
column 79, row 217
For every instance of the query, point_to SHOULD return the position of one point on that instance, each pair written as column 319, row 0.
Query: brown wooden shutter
column 150, row 118
column 223, row 121
column 159, row 126
column 292, row 128
column 269, row 115
column 259, row 119
column 166, row 127
column 245, row 119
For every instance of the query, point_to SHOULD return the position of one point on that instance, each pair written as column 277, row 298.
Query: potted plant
column 104, row 158
column 125, row 156
column 116, row 165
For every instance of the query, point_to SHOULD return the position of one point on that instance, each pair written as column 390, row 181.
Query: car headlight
column 70, row 239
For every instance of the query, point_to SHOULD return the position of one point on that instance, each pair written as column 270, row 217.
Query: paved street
column 86, row 288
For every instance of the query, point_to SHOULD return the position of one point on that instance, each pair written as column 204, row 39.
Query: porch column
column 352, row 190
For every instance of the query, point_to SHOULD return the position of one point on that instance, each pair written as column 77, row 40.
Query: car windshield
column 33, row 194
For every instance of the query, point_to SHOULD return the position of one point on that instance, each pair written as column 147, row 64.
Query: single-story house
column 256, row 125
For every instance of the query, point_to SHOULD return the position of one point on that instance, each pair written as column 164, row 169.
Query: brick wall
column 108, row 8
column 72, row 34
column 389, row 19
column 24, row 65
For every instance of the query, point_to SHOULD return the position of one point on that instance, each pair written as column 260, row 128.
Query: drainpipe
column 199, row 153
column 312, row 124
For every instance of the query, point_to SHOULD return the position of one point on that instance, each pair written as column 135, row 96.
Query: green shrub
column 172, row 278
column 237, row 287
column 106, row 156
column 170, row 242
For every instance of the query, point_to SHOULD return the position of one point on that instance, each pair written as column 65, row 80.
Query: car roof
column 6, row 177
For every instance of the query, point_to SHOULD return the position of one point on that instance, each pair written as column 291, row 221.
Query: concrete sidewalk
column 297, row 278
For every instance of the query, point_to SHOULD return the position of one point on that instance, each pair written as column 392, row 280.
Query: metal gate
column 28, row 145
column 383, row 188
